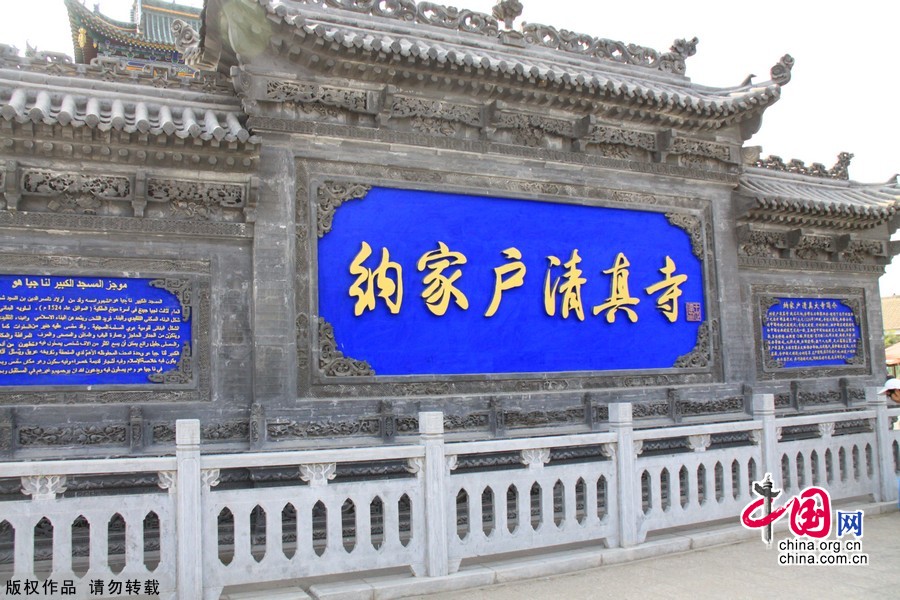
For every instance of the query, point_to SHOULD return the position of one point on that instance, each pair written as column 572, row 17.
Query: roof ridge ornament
column 838, row 171
column 507, row 11
column 187, row 41
column 781, row 72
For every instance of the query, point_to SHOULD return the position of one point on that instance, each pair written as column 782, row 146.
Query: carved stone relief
column 332, row 362
column 301, row 93
column 194, row 200
column 330, row 196
column 86, row 435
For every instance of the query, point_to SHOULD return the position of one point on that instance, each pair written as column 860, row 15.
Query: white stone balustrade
column 450, row 502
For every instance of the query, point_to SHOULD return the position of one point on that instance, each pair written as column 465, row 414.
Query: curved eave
column 809, row 201
column 105, row 112
column 399, row 60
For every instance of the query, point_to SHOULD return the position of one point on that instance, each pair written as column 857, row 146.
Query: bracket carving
column 318, row 474
column 44, row 487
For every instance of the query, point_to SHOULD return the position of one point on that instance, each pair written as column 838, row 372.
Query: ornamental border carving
column 486, row 147
column 764, row 296
column 192, row 383
column 326, row 373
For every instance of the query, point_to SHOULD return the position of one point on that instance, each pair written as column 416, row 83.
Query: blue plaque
column 810, row 332
column 427, row 283
column 83, row 331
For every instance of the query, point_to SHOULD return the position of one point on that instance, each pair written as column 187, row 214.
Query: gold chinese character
column 570, row 289
column 668, row 300
column 516, row 277
column 619, row 296
column 390, row 289
column 438, row 287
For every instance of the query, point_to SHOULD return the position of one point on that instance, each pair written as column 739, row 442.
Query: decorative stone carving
column 719, row 152
column 209, row 478
column 781, row 72
column 451, row 461
column 279, row 430
column 225, row 431
column 330, row 196
column 187, row 41
column 167, row 480
column 74, row 193
column 674, row 60
column 608, row 451
column 838, row 171
column 408, row 107
column 7, row 431
column 332, row 362
column 44, row 487
column 88, row 435
column 257, row 424
column 723, row 405
column 181, row 289
column 813, row 247
column 638, row 447
column 535, row 458
column 860, row 251
column 691, row 225
column 698, row 443
column 643, row 410
column 136, row 428
column 318, row 474
column 700, row 356
column 826, row 429
column 415, row 466
column 762, row 243
column 507, row 11
column 583, row 44
column 183, row 373
column 603, row 134
column 195, row 200
column 466, row 422
column 308, row 93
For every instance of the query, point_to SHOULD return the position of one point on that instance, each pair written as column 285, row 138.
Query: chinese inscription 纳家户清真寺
column 499, row 285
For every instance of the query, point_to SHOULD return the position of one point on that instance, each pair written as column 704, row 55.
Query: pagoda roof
column 385, row 43
column 154, row 31
column 814, row 200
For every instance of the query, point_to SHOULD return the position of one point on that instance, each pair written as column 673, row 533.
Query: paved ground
column 740, row 570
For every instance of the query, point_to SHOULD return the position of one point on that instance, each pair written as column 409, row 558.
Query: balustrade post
column 189, row 542
column 431, row 429
column 764, row 410
column 627, row 490
column 887, row 477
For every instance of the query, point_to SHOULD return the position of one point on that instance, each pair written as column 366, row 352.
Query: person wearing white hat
column 891, row 389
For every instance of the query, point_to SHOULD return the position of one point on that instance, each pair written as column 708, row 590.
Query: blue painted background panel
column 87, row 330
column 521, row 337
column 811, row 332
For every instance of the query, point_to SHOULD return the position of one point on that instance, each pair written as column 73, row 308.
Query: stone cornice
column 276, row 125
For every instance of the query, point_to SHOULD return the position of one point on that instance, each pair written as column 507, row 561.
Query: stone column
column 628, row 493
column 274, row 342
column 887, row 477
column 431, row 429
column 764, row 410
column 188, row 520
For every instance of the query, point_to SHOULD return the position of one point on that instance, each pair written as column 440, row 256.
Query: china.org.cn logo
column 810, row 520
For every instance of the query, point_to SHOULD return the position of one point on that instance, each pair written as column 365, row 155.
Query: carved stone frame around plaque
column 769, row 369
column 325, row 372
column 188, row 281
